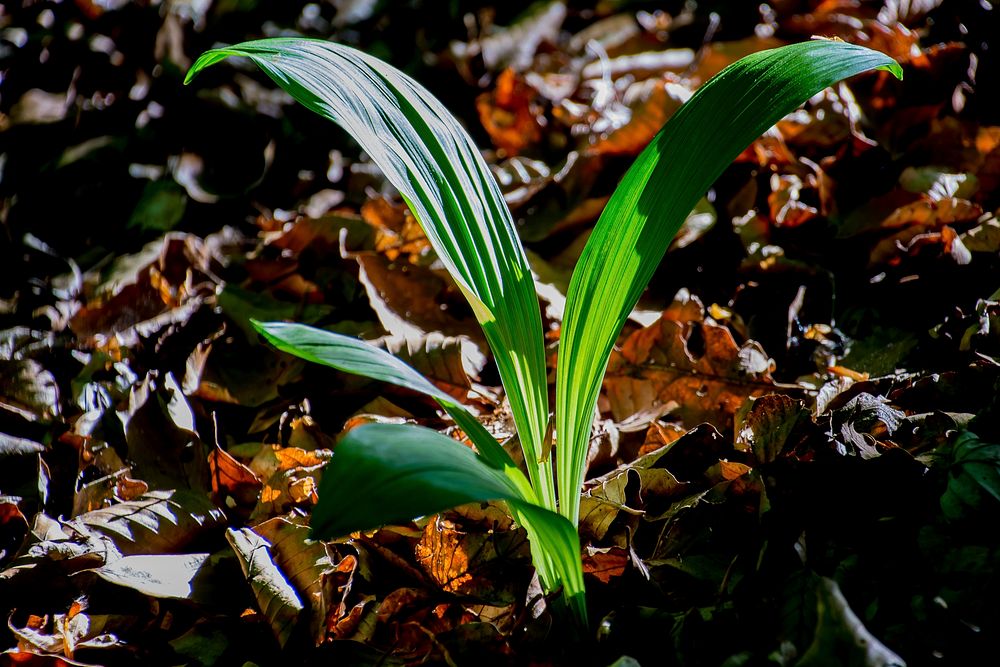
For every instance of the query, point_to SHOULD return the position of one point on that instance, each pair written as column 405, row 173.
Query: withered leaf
column 685, row 359
column 177, row 576
column 764, row 425
column 275, row 597
column 160, row 522
column 310, row 567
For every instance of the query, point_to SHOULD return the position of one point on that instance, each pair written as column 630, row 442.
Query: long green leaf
column 414, row 471
column 431, row 160
column 653, row 199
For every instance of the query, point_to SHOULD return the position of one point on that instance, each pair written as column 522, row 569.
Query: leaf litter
column 795, row 456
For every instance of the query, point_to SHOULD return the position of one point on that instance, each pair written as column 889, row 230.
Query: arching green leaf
column 431, row 160
column 651, row 202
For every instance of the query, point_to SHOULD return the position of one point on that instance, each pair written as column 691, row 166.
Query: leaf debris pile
column 797, row 452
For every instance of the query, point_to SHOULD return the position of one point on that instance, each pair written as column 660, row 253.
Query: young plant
column 388, row 473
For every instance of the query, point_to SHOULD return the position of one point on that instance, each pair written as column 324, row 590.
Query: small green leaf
column 663, row 185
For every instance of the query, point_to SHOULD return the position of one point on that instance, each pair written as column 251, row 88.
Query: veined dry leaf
column 411, row 300
column 628, row 488
column 161, row 522
column 606, row 563
column 276, row 598
column 440, row 359
column 309, row 566
column 764, row 425
column 685, row 359
column 163, row 445
column 292, row 476
column 28, row 390
column 176, row 576
column 472, row 560
column 232, row 478
column 11, row 446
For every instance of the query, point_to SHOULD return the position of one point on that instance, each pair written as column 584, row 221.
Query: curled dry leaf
column 276, row 598
column 629, row 488
column 64, row 634
column 315, row 570
column 465, row 559
column 764, row 426
column 163, row 444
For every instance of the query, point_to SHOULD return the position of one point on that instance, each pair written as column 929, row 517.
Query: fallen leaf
column 689, row 361
column 275, row 597
column 180, row 577
column 509, row 114
column 764, row 426
column 311, row 568
column 841, row 638
column 161, row 522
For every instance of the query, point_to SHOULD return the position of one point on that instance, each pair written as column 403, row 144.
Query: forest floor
column 797, row 459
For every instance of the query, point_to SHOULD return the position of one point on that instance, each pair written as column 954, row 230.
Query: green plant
column 424, row 153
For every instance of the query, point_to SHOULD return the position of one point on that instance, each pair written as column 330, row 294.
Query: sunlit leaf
column 432, row 161
column 652, row 201
column 159, row 522
column 276, row 598
column 177, row 576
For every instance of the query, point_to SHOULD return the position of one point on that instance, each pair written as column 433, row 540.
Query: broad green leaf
column 663, row 185
column 414, row 471
column 431, row 160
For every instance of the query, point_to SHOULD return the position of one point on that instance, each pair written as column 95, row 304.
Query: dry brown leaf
column 651, row 103
column 685, row 359
column 322, row 579
column 275, row 597
column 161, row 522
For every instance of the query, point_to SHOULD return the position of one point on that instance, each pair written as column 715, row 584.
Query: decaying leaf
column 312, row 567
column 161, row 522
column 764, row 426
column 689, row 360
column 275, row 596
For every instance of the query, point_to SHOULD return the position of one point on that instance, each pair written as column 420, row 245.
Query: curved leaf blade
column 354, row 356
column 432, row 161
column 663, row 185
column 414, row 471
